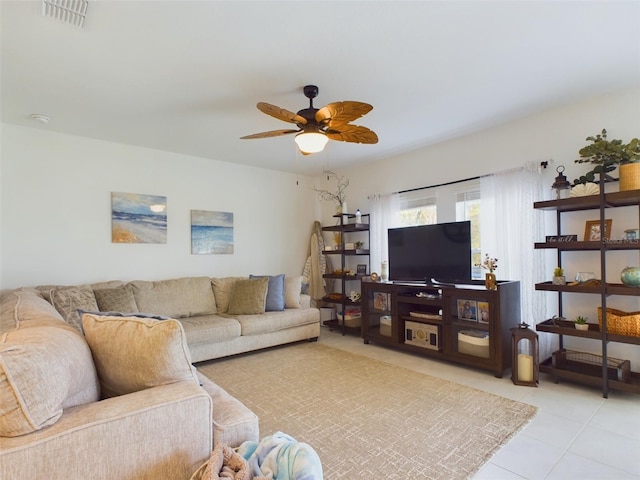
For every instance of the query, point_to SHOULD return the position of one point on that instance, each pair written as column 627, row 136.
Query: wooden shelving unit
column 345, row 226
column 575, row 372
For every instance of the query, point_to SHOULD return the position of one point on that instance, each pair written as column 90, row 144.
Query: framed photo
column 381, row 301
column 467, row 309
column 483, row 312
column 592, row 231
column 362, row 269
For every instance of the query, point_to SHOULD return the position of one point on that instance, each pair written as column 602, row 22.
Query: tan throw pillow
column 68, row 300
column 222, row 291
column 118, row 299
column 248, row 296
column 43, row 370
column 133, row 354
column 292, row 288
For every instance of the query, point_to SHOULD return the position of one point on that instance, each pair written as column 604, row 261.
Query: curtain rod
column 441, row 184
column 543, row 165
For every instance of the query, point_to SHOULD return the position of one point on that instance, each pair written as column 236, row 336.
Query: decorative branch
column 341, row 185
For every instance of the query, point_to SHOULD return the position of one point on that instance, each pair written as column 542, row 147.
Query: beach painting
column 211, row 232
column 138, row 218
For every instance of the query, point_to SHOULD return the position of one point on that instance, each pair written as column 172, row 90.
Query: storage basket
column 590, row 364
column 629, row 176
column 621, row 323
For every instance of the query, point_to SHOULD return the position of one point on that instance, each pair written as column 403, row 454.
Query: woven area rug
column 369, row 419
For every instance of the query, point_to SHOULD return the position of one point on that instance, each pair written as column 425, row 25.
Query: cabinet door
column 379, row 319
column 471, row 318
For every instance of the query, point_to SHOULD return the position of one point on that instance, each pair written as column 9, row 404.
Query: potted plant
column 607, row 155
column 558, row 277
column 581, row 323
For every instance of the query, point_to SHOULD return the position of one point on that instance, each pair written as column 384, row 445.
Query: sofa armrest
column 160, row 432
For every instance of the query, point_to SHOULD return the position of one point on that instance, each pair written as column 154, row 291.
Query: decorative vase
column 384, row 271
column 559, row 280
column 629, row 176
column 582, row 326
column 630, row 276
column 490, row 281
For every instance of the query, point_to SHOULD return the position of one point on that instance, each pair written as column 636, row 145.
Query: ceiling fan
column 317, row 126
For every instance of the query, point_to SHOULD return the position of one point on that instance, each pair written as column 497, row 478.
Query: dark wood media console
column 465, row 324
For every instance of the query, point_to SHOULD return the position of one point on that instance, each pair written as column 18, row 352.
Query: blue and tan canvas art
column 138, row 218
column 211, row 232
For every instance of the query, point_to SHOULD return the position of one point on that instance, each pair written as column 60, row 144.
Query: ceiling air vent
column 68, row 11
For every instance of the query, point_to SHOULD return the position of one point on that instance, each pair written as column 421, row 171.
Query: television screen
column 441, row 251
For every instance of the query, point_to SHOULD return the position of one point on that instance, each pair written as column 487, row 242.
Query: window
column 468, row 208
column 417, row 207
column 421, row 207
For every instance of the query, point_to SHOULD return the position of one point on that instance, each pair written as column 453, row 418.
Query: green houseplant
column 607, row 155
column 558, row 276
column 581, row 323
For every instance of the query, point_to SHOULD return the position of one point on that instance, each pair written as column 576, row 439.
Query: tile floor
column 576, row 434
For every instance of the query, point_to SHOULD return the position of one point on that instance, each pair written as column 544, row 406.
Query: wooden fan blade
column 272, row 133
column 281, row 113
column 339, row 113
column 352, row 133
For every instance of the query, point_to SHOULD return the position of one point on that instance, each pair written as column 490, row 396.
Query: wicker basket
column 629, row 176
column 621, row 323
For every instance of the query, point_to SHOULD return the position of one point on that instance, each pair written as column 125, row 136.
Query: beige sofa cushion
column 233, row 422
column 292, row 289
column 44, row 368
column 209, row 329
column 24, row 306
column 177, row 298
column 248, row 296
column 68, row 300
column 119, row 299
column 132, row 353
column 274, row 321
column 222, row 288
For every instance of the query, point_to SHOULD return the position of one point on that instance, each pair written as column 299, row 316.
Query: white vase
column 384, row 271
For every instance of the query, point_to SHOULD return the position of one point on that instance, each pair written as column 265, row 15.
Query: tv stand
column 462, row 323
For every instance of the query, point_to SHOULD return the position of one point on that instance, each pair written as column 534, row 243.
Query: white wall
column 55, row 225
column 555, row 134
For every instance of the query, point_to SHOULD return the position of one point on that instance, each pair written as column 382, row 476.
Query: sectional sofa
column 97, row 381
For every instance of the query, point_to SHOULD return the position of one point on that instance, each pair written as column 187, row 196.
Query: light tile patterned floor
column 577, row 434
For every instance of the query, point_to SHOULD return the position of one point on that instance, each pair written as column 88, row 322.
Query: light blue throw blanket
column 281, row 457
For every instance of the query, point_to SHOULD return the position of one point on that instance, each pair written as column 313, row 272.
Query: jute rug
column 368, row 419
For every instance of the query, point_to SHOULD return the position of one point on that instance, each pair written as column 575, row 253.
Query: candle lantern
column 561, row 185
column 524, row 363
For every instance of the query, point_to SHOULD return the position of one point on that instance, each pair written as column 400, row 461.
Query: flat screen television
column 441, row 251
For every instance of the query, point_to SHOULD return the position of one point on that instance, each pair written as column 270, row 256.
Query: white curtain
column 385, row 213
column 509, row 228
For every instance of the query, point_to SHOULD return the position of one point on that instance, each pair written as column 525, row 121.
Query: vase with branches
column 338, row 196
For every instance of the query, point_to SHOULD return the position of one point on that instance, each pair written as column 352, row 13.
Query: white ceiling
column 185, row 76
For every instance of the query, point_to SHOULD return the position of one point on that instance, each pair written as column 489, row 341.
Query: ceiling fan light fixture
column 311, row 142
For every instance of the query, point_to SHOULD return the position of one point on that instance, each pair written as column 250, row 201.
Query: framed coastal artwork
column 211, row 232
column 137, row 218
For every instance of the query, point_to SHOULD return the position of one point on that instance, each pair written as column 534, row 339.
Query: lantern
column 524, row 362
column 561, row 185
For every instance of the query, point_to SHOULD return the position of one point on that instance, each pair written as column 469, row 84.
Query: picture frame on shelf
column 592, row 230
column 483, row 312
column 381, row 301
column 362, row 269
column 467, row 309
